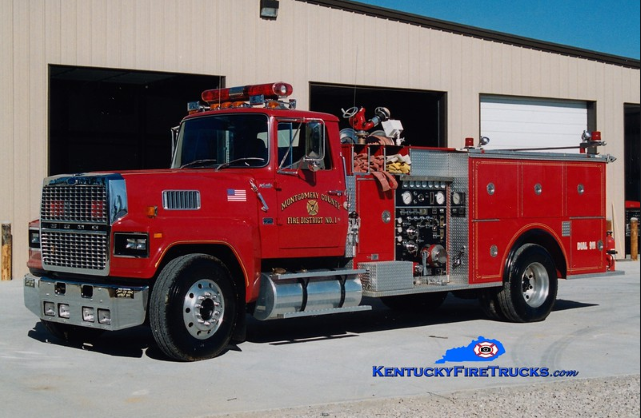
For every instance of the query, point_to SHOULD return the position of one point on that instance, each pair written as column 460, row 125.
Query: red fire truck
column 278, row 213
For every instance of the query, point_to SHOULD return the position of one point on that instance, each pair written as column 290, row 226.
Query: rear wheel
column 193, row 308
column 529, row 293
column 489, row 301
column 421, row 302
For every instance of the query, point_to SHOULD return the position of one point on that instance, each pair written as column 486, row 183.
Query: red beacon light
column 590, row 140
column 255, row 94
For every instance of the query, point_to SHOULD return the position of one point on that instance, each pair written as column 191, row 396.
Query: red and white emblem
column 486, row 349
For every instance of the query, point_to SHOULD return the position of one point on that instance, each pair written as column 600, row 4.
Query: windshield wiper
column 238, row 160
column 199, row 162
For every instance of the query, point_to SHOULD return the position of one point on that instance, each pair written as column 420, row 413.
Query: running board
column 324, row 312
column 316, row 274
column 427, row 288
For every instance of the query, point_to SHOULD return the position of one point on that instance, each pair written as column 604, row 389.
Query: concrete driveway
column 593, row 330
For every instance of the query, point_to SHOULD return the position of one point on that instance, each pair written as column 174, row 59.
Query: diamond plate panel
column 387, row 275
column 459, row 226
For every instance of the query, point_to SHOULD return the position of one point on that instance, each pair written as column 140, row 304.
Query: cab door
column 310, row 190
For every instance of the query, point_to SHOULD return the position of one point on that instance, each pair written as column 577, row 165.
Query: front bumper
column 101, row 306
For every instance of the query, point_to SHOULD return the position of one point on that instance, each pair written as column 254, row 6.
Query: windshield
column 221, row 141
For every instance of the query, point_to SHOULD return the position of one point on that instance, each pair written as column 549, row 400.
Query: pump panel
column 421, row 223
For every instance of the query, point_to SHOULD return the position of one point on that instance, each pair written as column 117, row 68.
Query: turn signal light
column 151, row 211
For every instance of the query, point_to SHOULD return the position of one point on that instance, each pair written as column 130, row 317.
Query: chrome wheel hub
column 203, row 309
column 535, row 285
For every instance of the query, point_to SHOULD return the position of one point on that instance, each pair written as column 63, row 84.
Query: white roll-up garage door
column 517, row 123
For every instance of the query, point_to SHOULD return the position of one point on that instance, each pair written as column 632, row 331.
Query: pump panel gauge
column 458, row 204
column 440, row 198
column 407, row 197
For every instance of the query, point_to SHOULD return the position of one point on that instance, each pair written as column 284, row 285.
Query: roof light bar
column 245, row 93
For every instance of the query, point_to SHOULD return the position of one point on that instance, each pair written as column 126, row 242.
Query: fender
column 542, row 235
column 234, row 244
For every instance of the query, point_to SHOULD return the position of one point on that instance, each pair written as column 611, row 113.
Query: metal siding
column 31, row 171
column 52, row 23
column 84, row 23
column 127, row 27
column 7, row 117
column 98, row 26
column 112, row 43
column 306, row 43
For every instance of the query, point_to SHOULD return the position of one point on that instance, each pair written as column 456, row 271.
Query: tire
column 489, row 301
column 193, row 308
column 72, row 333
column 421, row 302
column 529, row 291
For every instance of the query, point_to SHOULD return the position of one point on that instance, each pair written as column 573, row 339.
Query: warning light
column 245, row 93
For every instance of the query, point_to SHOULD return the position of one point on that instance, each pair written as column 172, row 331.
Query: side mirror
column 314, row 146
column 312, row 164
column 174, row 140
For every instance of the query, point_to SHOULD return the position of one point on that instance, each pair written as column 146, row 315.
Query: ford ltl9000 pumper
column 278, row 213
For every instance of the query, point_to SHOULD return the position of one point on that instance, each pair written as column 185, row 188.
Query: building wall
column 307, row 42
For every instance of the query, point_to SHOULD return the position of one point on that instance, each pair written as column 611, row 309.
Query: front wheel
column 529, row 293
column 193, row 308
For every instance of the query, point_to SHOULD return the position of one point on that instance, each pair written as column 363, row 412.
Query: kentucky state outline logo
column 482, row 349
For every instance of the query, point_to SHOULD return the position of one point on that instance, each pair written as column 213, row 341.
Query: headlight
column 131, row 245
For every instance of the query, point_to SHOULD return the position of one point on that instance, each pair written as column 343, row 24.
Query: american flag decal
column 235, row 195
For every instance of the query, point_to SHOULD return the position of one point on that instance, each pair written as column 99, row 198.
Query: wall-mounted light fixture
column 269, row 9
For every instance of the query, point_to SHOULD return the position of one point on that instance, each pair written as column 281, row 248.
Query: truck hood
column 192, row 192
column 177, row 192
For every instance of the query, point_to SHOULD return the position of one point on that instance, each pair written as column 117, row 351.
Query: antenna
column 355, row 77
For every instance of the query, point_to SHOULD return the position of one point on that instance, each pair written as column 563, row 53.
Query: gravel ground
column 599, row 397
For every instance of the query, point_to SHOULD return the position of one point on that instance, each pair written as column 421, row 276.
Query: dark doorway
column 422, row 113
column 632, row 151
column 113, row 119
column 632, row 167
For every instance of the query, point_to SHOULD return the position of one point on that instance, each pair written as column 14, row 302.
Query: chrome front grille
column 74, row 203
column 76, row 216
column 75, row 251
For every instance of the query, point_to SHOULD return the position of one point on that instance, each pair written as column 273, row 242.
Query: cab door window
column 302, row 143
